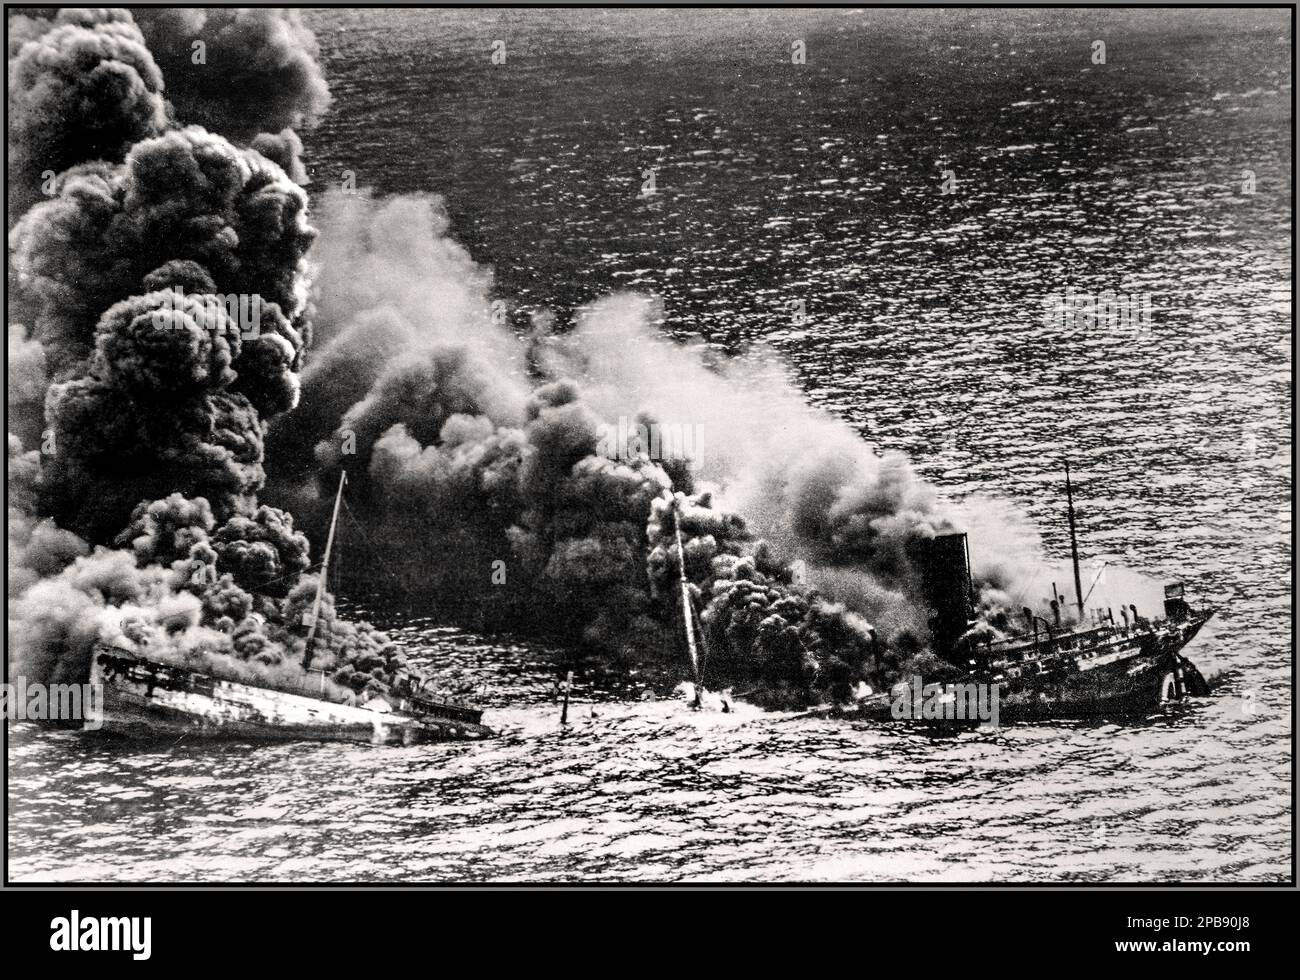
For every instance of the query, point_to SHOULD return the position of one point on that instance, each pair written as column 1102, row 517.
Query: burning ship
column 1090, row 667
column 148, row 697
column 1086, row 665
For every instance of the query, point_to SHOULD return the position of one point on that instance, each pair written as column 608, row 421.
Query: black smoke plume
column 237, row 71
column 82, row 87
column 157, row 323
column 483, row 465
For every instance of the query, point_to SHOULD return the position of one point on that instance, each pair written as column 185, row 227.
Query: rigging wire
column 1095, row 579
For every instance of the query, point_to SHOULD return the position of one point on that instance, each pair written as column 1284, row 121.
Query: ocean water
column 778, row 184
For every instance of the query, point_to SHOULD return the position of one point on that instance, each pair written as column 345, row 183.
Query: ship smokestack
column 944, row 561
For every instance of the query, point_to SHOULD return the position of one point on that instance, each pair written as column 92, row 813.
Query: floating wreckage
column 148, row 697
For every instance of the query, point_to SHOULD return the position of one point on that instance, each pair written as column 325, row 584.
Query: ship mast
column 686, row 604
column 1074, row 543
column 324, row 572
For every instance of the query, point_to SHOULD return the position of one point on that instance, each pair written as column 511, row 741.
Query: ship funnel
column 945, row 576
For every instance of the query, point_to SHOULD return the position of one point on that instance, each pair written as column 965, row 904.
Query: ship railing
column 1071, row 645
column 452, row 710
column 198, row 679
column 195, row 678
column 1027, row 648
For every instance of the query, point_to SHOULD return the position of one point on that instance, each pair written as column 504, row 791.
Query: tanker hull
column 146, row 699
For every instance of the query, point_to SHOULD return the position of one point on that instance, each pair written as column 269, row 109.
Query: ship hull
column 145, row 700
column 1135, row 673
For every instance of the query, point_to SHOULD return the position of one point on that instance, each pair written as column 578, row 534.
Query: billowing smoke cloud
column 487, row 472
column 187, row 196
column 157, row 323
column 174, row 401
column 82, row 87
column 28, row 377
column 178, row 591
column 421, row 391
column 237, row 71
column 88, row 83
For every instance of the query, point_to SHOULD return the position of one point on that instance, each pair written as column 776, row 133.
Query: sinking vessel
column 152, row 697
column 144, row 697
column 1091, row 666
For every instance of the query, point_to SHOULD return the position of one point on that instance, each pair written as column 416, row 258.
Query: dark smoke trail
column 82, row 87
column 237, row 71
column 420, row 392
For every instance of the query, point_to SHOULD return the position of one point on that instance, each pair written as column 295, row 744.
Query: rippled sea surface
column 821, row 183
